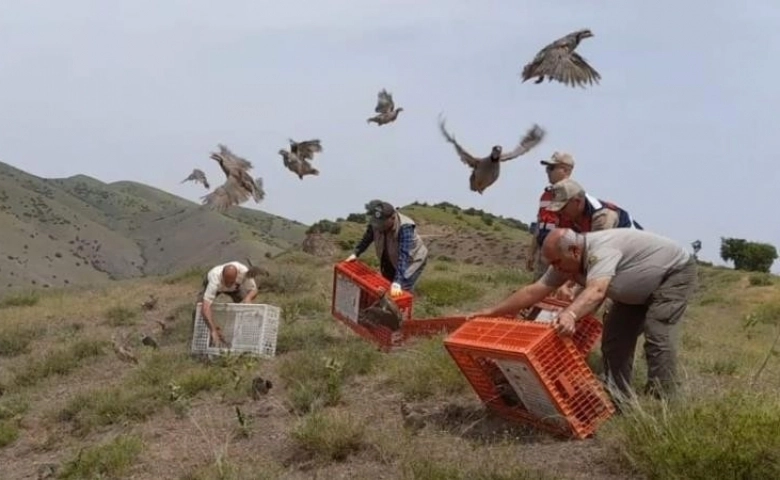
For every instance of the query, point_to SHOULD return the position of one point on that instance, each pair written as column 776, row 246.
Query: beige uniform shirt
column 636, row 260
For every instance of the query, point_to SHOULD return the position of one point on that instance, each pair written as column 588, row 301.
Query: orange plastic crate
column 588, row 328
column 357, row 286
column 526, row 372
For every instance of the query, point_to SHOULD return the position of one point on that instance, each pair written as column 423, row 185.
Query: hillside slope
column 449, row 231
column 79, row 230
column 337, row 407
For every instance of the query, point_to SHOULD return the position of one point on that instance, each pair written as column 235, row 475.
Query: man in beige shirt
column 231, row 279
column 648, row 277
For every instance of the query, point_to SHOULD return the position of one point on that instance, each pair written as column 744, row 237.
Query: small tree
column 749, row 256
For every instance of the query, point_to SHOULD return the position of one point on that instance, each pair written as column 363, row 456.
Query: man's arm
column 405, row 240
column 519, row 300
column 250, row 285
column 364, row 242
column 604, row 219
column 600, row 275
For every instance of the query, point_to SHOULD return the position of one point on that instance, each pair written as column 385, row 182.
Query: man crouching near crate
column 234, row 279
column 401, row 252
column 648, row 277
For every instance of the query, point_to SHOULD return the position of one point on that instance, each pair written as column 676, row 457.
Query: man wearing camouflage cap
column 401, row 252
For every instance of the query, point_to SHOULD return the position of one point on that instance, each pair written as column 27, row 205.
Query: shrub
column 329, row 436
column 20, row 300
column 760, row 280
column 749, row 256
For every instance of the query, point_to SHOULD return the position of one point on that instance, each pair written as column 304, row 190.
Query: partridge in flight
column 485, row 171
column 239, row 186
column 197, row 176
column 558, row 61
column 298, row 158
column 385, row 109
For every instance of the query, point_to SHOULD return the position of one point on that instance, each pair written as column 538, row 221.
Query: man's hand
column 395, row 290
column 351, row 258
column 529, row 263
column 565, row 323
column 565, row 292
column 217, row 338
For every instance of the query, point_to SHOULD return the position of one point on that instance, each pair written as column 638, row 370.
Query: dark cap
column 379, row 211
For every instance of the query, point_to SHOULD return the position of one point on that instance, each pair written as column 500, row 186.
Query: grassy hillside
column 79, row 230
column 334, row 411
column 450, row 232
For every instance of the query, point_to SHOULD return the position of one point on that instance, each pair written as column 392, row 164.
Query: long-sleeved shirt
column 405, row 241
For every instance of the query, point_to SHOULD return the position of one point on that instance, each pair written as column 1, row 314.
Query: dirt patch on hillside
column 474, row 247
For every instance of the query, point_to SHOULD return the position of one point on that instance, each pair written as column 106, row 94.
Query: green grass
column 110, row 459
column 732, row 435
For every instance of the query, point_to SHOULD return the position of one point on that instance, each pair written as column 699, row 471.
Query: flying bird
column 196, row 176
column 385, row 108
column 255, row 271
column 297, row 165
column 558, row 61
column 239, row 186
column 485, row 171
column 305, row 150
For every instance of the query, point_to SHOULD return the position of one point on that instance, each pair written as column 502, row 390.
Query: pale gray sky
column 680, row 131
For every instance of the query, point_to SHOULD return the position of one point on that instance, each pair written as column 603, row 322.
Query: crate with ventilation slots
column 356, row 287
column 247, row 328
column 526, row 372
column 587, row 329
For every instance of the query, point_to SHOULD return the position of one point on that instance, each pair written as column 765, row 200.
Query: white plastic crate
column 247, row 328
column 347, row 301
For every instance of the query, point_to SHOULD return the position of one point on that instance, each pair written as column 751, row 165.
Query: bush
column 749, row 256
column 325, row 226
column 760, row 280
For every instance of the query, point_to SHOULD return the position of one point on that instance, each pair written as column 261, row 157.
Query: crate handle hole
column 563, row 385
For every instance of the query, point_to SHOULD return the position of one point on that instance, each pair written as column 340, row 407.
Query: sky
column 681, row 130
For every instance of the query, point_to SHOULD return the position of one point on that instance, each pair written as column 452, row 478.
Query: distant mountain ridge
column 79, row 230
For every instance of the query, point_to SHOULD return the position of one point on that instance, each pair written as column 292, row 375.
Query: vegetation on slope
column 335, row 404
column 81, row 231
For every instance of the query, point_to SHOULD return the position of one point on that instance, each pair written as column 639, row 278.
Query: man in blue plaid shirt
column 401, row 252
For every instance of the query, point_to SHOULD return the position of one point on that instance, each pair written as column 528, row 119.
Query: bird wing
column 259, row 191
column 567, row 67
column 305, row 150
column 384, row 102
column 465, row 156
column 232, row 162
column 228, row 194
column 531, row 139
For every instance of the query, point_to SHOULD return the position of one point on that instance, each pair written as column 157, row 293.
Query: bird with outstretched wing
column 558, row 61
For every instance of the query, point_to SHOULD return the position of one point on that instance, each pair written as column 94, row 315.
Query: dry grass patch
column 315, row 378
column 328, row 436
column 424, row 369
column 60, row 361
column 120, row 316
column 111, row 459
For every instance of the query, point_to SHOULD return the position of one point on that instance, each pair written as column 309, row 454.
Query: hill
column 79, row 231
column 70, row 405
column 450, row 232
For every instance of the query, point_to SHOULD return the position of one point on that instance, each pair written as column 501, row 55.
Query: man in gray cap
column 559, row 167
column 401, row 252
column 584, row 213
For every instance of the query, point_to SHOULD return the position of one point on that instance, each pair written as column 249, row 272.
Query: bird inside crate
column 384, row 311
